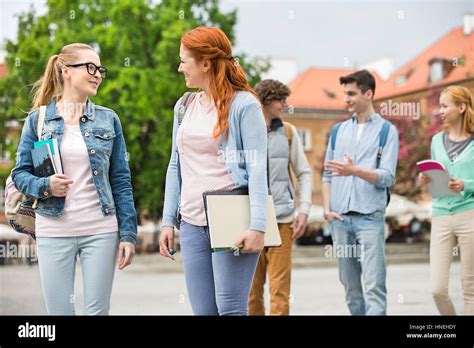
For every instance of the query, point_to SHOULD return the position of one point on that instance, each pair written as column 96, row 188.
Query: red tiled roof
column 3, row 69
column 455, row 44
column 319, row 88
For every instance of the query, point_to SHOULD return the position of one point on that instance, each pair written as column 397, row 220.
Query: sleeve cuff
column 305, row 208
column 258, row 226
column 45, row 188
column 168, row 222
column 129, row 238
column 469, row 185
column 383, row 178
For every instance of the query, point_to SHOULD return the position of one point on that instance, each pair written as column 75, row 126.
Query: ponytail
column 469, row 118
column 49, row 85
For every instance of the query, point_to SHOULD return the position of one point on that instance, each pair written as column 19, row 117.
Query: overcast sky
column 322, row 33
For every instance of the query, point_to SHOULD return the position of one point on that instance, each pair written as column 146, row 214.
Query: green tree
column 138, row 41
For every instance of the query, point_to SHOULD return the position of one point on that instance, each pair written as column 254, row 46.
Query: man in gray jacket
column 284, row 150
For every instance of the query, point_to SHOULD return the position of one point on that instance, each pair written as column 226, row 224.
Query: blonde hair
column 50, row 84
column 462, row 95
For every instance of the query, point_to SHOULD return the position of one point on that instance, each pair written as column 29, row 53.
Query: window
column 436, row 71
column 305, row 136
column 400, row 80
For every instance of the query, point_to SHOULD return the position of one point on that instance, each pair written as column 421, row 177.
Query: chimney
column 468, row 23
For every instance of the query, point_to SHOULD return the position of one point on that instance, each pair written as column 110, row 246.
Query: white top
column 203, row 166
column 360, row 129
column 82, row 213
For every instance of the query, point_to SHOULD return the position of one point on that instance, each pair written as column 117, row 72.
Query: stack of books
column 46, row 158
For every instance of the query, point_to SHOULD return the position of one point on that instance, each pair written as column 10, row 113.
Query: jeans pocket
column 104, row 139
column 376, row 216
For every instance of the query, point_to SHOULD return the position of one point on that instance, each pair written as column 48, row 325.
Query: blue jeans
column 218, row 283
column 359, row 244
column 57, row 265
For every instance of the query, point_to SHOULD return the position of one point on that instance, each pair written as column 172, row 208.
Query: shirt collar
column 370, row 119
column 275, row 124
column 51, row 112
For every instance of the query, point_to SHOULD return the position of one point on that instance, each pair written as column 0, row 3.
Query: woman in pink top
column 87, row 211
column 224, row 117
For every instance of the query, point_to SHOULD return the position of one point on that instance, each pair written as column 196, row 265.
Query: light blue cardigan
column 245, row 154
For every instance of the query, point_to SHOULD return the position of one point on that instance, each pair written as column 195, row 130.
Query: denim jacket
column 102, row 134
column 245, row 155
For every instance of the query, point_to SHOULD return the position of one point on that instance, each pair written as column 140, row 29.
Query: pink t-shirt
column 202, row 165
column 82, row 213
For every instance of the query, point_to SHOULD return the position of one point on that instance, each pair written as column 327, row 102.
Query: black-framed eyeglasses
column 91, row 68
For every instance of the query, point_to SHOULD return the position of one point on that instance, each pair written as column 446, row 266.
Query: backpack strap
column 289, row 135
column 188, row 97
column 383, row 140
column 42, row 114
column 289, row 131
column 334, row 130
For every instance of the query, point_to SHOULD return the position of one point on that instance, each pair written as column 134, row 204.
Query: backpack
column 382, row 141
column 188, row 97
column 289, row 132
column 289, row 135
column 20, row 208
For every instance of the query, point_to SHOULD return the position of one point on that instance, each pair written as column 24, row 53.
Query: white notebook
column 228, row 216
column 438, row 186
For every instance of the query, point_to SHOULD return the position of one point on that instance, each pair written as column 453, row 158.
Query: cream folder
column 228, row 216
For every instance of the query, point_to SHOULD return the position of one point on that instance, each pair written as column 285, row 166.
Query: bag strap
column 334, row 130
column 42, row 114
column 288, row 131
column 289, row 135
column 382, row 141
column 188, row 97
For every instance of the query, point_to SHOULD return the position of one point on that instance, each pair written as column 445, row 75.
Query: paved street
column 153, row 285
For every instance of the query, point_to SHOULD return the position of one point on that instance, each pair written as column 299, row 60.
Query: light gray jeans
column 57, row 265
column 447, row 231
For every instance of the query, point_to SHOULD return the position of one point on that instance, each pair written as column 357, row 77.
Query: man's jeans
column 359, row 245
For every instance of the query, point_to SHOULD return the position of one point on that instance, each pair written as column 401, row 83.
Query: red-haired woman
column 220, row 144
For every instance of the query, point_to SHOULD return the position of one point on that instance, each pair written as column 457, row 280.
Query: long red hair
column 226, row 76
